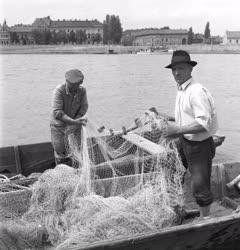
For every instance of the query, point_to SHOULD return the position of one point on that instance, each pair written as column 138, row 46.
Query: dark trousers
column 59, row 145
column 197, row 157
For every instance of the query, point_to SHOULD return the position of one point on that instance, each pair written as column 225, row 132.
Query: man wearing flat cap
column 69, row 105
column 195, row 124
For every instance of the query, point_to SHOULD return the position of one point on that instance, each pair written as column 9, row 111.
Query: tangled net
column 116, row 189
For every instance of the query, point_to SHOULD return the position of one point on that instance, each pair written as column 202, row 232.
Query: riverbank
column 68, row 49
column 116, row 49
column 210, row 48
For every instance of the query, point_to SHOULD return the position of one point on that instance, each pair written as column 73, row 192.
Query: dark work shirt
column 63, row 102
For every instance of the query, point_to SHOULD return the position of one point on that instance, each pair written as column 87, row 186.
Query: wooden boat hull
column 219, row 233
column 26, row 159
column 216, row 233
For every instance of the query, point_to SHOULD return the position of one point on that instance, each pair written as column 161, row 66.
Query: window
column 237, row 41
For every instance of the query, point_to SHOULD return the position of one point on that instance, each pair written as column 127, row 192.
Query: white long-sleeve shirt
column 195, row 103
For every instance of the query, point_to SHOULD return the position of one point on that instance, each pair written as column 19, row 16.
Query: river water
column 119, row 88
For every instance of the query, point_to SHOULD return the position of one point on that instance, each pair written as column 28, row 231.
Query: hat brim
column 192, row 63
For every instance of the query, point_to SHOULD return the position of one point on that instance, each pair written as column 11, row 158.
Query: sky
column 134, row 14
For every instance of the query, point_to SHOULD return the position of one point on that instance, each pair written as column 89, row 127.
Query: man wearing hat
column 69, row 105
column 195, row 124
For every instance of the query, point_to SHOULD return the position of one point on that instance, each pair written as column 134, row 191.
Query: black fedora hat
column 180, row 56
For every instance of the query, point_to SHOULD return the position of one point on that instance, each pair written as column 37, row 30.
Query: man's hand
column 81, row 121
column 171, row 131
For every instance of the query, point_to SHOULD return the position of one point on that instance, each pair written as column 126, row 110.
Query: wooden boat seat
column 143, row 143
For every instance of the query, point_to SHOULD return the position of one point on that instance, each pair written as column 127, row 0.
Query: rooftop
column 44, row 21
column 4, row 27
column 160, row 32
column 21, row 28
column 75, row 23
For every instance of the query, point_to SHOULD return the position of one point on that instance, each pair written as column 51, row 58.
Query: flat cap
column 74, row 76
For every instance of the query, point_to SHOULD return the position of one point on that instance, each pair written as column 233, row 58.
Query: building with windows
column 157, row 37
column 24, row 34
column 42, row 24
column 90, row 27
column 231, row 37
column 5, row 38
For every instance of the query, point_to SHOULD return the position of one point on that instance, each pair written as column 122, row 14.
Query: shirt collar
column 185, row 84
column 67, row 89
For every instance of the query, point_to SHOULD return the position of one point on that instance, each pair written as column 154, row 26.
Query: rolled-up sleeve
column 57, row 104
column 84, row 104
column 202, row 107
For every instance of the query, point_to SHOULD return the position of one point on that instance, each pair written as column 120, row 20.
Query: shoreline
column 116, row 49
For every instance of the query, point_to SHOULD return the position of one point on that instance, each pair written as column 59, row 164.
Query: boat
column 38, row 157
column 221, row 231
column 144, row 52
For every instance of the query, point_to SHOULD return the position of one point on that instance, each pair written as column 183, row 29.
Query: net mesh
column 117, row 188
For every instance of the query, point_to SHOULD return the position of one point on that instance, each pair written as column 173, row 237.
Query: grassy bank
column 114, row 49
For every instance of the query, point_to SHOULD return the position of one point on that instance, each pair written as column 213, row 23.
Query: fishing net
column 121, row 184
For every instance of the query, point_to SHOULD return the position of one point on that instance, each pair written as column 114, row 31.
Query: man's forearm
column 68, row 120
column 192, row 128
column 82, row 111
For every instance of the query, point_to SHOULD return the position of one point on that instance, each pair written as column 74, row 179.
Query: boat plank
column 18, row 160
column 204, row 234
column 221, row 178
column 7, row 160
column 144, row 143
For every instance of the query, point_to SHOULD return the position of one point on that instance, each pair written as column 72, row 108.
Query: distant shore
column 68, row 49
column 116, row 49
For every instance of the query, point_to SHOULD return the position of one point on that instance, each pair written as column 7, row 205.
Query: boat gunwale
column 165, row 232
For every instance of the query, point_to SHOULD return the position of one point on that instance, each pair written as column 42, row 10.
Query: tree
column 47, row 36
column 41, row 36
column 37, row 36
column 112, row 30
column 190, row 36
column 81, row 36
column 72, row 37
column 62, row 36
column 117, row 30
column 14, row 37
column 95, row 38
column 207, row 33
column 53, row 37
column 106, row 30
